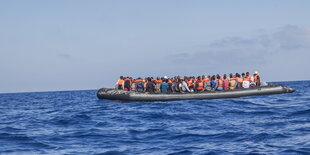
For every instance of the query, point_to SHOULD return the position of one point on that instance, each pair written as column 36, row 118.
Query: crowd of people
column 189, row 84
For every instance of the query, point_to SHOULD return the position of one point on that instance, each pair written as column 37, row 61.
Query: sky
column 58, row 45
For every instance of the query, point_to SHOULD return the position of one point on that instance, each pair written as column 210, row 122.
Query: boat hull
column 112, row 94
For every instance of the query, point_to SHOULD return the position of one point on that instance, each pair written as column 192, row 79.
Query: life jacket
column 247, row 78
column 120, row 82
column 240, row 80
column 159, row 81
column 226, row 84
column 127, row 83
column 255, row 78
column 199, row 85
column 138, row 80
column 220, row 83
column 206, row 79
column 189, row 83
column 232, row 79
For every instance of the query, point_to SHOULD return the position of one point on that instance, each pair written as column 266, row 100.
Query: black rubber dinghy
column 113, row 94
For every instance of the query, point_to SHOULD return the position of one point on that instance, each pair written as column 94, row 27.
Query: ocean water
column 76, row 122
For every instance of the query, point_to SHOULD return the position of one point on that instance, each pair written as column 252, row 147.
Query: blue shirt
column 164, row 87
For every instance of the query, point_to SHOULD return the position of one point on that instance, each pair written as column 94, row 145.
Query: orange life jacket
column 247, row 78
column 240, row 80
column 220, row 84
column 120, row 82
column 200, row 85
column 159, row 81
column 206, row 79
column 232, row 79
column 138, row 80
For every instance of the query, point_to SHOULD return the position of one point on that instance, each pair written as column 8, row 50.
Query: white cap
column 165, row 77
column 255, row 72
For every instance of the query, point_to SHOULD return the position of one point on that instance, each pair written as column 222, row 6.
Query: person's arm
column 186, row 86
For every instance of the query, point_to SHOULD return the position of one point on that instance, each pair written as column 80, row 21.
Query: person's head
column 243, row 74
column 213, row 77
column 149, row 79
column 230, row 75
column 225, row 76
column 121, row 77
column 247, row 73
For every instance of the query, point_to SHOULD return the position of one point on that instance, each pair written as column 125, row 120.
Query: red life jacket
column 226, row 84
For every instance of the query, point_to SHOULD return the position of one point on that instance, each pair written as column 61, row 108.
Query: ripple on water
column 75, row 122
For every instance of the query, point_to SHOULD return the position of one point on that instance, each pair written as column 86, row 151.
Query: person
column 139, row 85
column 184, row 86
column 232, row 82
column 170, row 85
column 207, row 83
column 149, row 86
column 214, row 83
column 239, row 80
column 127, row 84
column 158, row 81
column 199, row 87
column 245, row 83
column 256, row 79
column 248, row 77
column 220, row 83
column 164, row 86
column 190, row 84
column 225, row 82
column 133, row 85
column 120, row 83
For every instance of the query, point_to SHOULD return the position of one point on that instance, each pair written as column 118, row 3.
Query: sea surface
column 76, row 122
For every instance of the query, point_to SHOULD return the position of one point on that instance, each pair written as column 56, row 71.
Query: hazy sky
column 73, row 44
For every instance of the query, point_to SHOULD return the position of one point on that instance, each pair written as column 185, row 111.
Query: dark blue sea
column 76, row 122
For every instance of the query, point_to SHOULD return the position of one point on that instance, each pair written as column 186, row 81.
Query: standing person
column 150, row 86
column 120, row 83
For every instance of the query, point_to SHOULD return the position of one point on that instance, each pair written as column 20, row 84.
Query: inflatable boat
column 113, row 94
